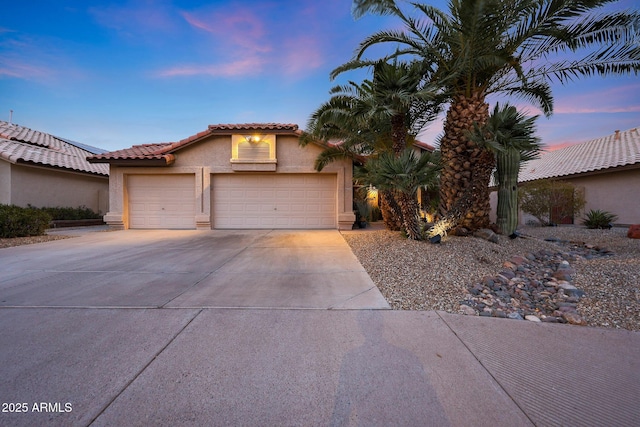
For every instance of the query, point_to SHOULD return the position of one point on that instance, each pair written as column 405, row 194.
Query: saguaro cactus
column 507, row 168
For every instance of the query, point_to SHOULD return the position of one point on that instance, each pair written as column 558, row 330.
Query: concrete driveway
column 195, row 269
column 115, row 328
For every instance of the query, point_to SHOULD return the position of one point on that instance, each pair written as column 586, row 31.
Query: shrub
column 550, row 200
column 599, row 219
column 68, row 213
column 22, row 222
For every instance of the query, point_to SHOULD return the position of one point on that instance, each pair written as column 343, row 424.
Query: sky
column 113, row 74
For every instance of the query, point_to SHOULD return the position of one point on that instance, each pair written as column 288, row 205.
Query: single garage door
column 273, row 201
column 161, row 201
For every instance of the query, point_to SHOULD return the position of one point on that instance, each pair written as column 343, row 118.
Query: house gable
column 234, row 165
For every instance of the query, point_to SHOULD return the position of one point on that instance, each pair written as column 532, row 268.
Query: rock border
column 537, row 287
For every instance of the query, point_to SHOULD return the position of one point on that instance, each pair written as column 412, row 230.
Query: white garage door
column 161, row 201
column 273, row 201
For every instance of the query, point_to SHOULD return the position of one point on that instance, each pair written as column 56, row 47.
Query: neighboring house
column 43, row 170
column 230, row 176
column 607, row 170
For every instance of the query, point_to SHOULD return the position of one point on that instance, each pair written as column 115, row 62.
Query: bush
column 599, row 219
column 549, row 200
column 65, row 213
column 22, row 222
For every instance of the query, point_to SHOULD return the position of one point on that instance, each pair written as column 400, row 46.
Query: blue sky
column 117, row 73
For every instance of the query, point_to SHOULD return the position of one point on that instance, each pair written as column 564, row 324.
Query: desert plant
column 69, row 213
column 474, row 48
column 16, row 221
column 511, row 135
column 548, row 199
column 402, row 175
column 599, row 219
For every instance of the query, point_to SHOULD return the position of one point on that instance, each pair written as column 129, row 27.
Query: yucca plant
column 599, row 219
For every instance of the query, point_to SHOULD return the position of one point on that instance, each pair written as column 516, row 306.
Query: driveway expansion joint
column 144, row 368
column 486, row 369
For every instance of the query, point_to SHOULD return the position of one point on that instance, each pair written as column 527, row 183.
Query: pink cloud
column 273, row 44
column 244, row 67
column 239, row 29
column 137, row 20
column 619, row 99
column 25, row 71
column 302, row 54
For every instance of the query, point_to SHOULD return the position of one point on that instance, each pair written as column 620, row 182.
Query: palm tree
column 402, row 175
column 377, row 116
column 514, row 47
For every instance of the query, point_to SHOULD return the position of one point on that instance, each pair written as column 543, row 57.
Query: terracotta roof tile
column 255, row 126
column 424, row 146
column 19, row 144
column 616, row 150
column 137, row 152
column 165, row 150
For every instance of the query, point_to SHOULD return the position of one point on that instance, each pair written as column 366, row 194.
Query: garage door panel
column 161, row 201
column 274, row 201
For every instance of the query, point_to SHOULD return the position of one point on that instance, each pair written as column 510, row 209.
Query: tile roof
column 163, row 151
column 424, row 146
column 137, row 152
column 255, row 126
column 612, row 151
column 19, row 144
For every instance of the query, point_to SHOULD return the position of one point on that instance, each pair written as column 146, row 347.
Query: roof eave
column 49, row 166
column 152, row 162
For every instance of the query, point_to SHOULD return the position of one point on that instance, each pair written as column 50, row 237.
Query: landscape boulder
column 634, row 231
column 486, row 234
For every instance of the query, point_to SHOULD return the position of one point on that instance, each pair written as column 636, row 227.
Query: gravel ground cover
column 419, row 276
column 19, row 241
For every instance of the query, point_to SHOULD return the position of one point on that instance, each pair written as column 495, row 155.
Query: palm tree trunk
column 409, row 206
column 389, row 207
column 463, row 161
column 391, row 213
column 398, row 133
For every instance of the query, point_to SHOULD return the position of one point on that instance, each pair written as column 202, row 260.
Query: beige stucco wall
column 213, row 155
column 615, row 192
column 41, row 187
column 5, row 182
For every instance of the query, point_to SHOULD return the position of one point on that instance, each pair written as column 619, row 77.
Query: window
column 253, row 152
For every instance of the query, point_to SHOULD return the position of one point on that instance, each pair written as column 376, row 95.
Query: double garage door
column 273, row 201
column 250, row 201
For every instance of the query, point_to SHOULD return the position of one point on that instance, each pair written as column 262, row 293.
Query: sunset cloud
column 249, row 41
column 139, row 19
column 621, row 99
column 244, row 67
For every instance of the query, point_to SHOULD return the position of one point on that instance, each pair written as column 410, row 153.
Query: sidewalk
column 313, row 367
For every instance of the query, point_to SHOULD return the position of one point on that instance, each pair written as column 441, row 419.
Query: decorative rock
column 574, row 319
column 536, row 286
column 486, row 234
column 467, row 310
column 634, row 231
column 563, row 284
column 509, row 265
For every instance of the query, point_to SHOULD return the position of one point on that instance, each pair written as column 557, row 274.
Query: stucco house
column 607, row 169
column 229, row 176
column 43, row 170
